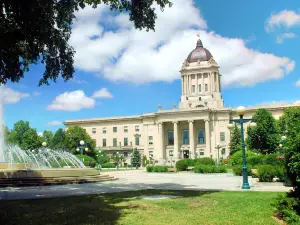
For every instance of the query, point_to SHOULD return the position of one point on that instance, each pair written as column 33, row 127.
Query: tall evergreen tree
column 58, row 141
column 265, row 137
column 235, row 140
column 136, row 158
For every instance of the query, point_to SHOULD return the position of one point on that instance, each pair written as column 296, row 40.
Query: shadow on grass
column 89, row 209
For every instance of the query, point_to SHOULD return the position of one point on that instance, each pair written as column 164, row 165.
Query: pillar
column 207, row 137
column 182, row 91
column 203, row 87
column 146, row 140
column 161, row 141
column 197, row 85
column 176, row 141
column 191, row 134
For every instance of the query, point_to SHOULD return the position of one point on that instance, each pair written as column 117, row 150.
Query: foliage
column 265, row 137
column 271, row 159
column 160, row 169
column 201, row 168
column 238, row 170
column 48, row 138
column 290, row 121
column 102, row 157
column 255, row 160
column 87, row 160
column 235, row 140
column 58, row 141
column 16, row 134
column 266, row 173
column 145, row 161
column 183, row 164
column 30, row 140
column 108, row 165
column 40, row 30
column 236, row 158
column 287, row 207
column 74, row 135
column 136, row 158
column 205, row 161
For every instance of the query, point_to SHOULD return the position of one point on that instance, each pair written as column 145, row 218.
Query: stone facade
column 191, row 130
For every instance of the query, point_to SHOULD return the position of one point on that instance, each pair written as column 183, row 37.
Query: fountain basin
column 4, row 165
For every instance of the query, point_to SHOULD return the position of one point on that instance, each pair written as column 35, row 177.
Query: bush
column 199, row 168
column 238, row 170
column 266, row 173
column 255, row 160
column 87, row 160
column 108, row 165
column 286, row 208
column 160, row 169
column 205, row 161
column 236, row 158
column 271, row 159
column 183, row 164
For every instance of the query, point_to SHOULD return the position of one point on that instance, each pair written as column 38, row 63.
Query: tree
column 30, row 140
column 39, row 30
column 58, row 141
column 136, row 158
column 48, row 138
column 17, row 133
column 235, row 140
column 74, row 135
column 265, row 137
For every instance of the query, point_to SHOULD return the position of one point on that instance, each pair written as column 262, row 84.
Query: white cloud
column 102, row 93
column 79, row 81
column 278, row 103
column 297, row 102
column 280, row 38
column 10, row 96
column 285, row 18
column 54, row 123
column 36, row 93
column 127, row 54
column 72, row 101
column 297, row 83
column 40, row 134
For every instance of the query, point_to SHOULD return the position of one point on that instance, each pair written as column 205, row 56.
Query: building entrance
column 185, row 154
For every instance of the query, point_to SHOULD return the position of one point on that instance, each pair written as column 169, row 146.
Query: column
column 207, row 137
column 197, row 85
column 182, row 91
column 203, row 88
column 161, row 141
column 211, row 82
column 176, row 147
column 146, row 141
column 191, row 134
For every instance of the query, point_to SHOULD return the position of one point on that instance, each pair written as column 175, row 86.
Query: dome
column 199, row 53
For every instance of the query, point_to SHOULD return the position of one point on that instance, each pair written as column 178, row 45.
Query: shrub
column 183, row 164
column 87, row 160
column 272, row 160
column 266, row 173
column 149, row 168
column 236, row 158
column 160, row 169
column 238, row 170
column 205, row 161
column 108, row 165
column 255, row 160
column 199, row 168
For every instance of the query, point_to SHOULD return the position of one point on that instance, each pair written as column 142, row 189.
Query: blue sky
column 135, row 71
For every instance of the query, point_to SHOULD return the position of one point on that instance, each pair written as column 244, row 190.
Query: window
column 137, row 128
column 193, row 88
column 115, row 142
column 185, row 137
column 104, row 142
column 151, row 154
column 222, row 136
column 115, row 129
column 125, row 141
column 170, row 138
column 206, row 88
column 125, row 129
column 199, row 86
column 125, row 154
column 94, row 130
column 201, row 136
column 202, row 153
column 104, row 130
column 150, row 138
column 137, row 140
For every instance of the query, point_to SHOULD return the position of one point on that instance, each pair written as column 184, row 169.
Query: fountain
column 41, row 166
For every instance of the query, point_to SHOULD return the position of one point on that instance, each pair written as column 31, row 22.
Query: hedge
column 236, row 158
column 205, row 161
column 183, row 164
column 160, row 169
column 88, row 160
column 108, row 165
column 200, row 168
column 238, row 170
column 266, row 173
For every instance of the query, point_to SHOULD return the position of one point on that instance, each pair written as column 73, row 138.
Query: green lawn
column 195, row 207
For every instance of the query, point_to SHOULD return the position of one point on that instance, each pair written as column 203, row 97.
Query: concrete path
column 139, row 180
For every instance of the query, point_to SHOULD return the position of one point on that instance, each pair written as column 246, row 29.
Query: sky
column 121, row 71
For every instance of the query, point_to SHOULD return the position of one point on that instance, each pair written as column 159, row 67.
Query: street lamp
column 218, row 148
column 131, row 161
column 81, row 148
column 44, row 144
column 282, row 146
column 241, row 112
column 117, row 160
column 99, row 159
column 171, row 154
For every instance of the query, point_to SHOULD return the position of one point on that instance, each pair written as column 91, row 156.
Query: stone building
column 190, row 130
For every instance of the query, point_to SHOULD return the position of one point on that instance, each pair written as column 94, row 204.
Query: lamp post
column 131, row 161
column 117, row 160
column 171, row 155
column 218, row 148
column 81, row 148
column 44, row 144
column 282, row 146
column 241, row 112
column 99, row 159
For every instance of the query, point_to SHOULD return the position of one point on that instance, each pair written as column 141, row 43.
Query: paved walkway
column 139, row 180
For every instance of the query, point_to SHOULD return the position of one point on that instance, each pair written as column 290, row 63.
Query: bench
column 190, row 168
column 172, row 170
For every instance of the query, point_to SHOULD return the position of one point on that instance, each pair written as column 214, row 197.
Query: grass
column 195, row 207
